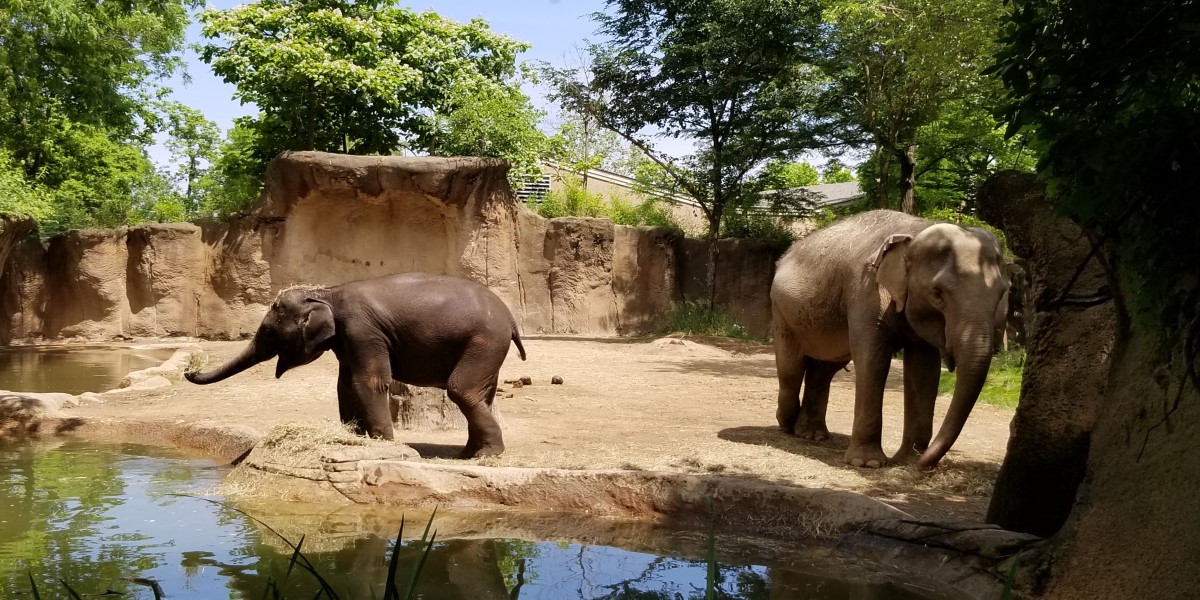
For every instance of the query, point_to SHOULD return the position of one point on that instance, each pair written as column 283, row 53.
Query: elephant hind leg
column 818, row 375
column 789, row 368
column 472, row 387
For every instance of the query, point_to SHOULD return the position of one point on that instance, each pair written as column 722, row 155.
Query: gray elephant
column 863, row 289
column 416, row 328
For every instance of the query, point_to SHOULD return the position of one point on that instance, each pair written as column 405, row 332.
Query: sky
column 554, row 29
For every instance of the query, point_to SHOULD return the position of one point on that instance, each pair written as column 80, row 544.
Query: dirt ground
column 700, row 406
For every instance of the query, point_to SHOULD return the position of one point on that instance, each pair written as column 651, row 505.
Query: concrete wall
column 328, row 218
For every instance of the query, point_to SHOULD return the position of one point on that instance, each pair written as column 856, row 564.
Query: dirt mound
column 671, row 346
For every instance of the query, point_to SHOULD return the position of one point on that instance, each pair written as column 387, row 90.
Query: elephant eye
column 937, row 296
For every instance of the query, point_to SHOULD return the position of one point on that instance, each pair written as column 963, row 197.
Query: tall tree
column 895, row 64
column 352, row 76
column 193, row 141
column 496, row 120
column 836, row 172
column 79, row 61
column 733, row 75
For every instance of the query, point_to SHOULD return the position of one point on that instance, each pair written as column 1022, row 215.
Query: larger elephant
column 869, row 286
column 416, row 328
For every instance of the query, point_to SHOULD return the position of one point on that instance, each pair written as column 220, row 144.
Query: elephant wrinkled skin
column 416, row 328
column 863, row 289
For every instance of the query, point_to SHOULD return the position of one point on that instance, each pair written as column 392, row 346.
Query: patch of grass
column 196, row 362
column 698, row 318
column 1003, row 384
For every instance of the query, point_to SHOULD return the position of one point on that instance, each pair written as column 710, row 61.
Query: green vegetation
column 1114, row 126
column 699, row 318
column 897, row 88
column 1003, row 384
column 572, row 200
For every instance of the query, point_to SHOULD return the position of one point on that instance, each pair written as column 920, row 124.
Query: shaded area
column 956, row 482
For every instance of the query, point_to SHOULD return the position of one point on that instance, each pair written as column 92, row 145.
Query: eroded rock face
column 330, row 218
column 1069, row 346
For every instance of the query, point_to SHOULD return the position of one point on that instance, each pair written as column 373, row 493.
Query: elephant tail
column 516, row 338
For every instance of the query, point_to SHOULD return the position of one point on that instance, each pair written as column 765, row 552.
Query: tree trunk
column 908, row 180
column 885, row 177
column 710, row 266
column 427, row 409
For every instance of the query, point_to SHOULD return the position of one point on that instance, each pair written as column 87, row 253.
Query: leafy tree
column 780, row 175
column 233, row 182
column 497, row 120
column 895, row 65
column 352, row 76
column 193, row 141
column 734, row 75
column 19, row 196
column 959, row 150
column 93, row 177
column 836, row 172
column 67, row 62
column 581, row 144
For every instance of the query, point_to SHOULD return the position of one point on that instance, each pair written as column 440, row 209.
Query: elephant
column 866, row 287
column 417, row 328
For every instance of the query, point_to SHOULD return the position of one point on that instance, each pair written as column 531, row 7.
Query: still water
column 96, row 515
column 72, row 369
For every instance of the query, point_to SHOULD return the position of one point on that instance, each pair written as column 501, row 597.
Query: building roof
column 835, row 194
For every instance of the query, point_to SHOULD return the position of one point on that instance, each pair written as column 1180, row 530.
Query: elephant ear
column 316, row 327
column 891, row 267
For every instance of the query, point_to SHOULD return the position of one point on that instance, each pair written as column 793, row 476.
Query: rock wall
column 330, row 218
column 1070, row 342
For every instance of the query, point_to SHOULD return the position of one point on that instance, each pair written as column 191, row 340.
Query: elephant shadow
column 953, row 491
column 831, row 451
column 436, row 450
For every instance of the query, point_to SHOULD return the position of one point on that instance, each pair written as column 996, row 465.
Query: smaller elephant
column 416, row 328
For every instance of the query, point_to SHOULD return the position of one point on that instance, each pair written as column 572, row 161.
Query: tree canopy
column 364, row 77
column 896, row 67
column 735, row 76
column 77, row 102
column 1114, row 117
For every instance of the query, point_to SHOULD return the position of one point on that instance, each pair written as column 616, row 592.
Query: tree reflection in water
column 97, row 515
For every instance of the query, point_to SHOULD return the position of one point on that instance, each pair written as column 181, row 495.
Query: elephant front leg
column 922, row 370
column 871, row 363
column 363, row 399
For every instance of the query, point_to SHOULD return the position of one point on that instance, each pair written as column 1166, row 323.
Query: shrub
column 699, row 318
column 573, row 200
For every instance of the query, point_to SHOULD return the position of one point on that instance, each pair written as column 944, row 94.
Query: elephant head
column 298, row 328
column 949, row 283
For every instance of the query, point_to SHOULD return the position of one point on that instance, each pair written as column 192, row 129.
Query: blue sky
column 554, row 28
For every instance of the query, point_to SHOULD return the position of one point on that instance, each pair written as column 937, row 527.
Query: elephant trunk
column 973, row 355
column 251, row 355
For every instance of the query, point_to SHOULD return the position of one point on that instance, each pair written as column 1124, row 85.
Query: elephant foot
column 806, row 430
column 906, row 455
column 871, row 457
column 811, row 429
column 481, row 450
column 786, row 420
